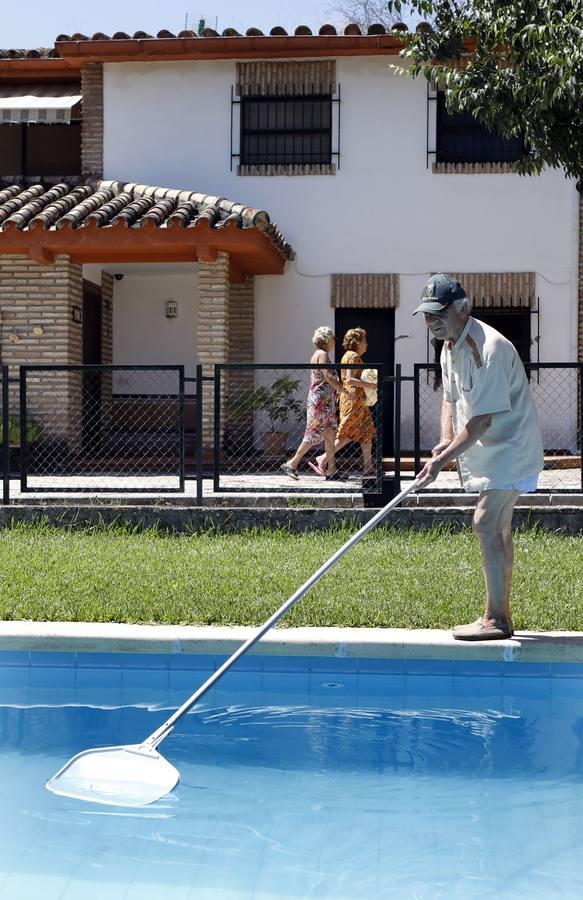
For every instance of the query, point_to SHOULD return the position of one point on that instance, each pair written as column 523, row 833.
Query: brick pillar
column 242, row 322
column 106, row 343
column 36, row 309
column 241, row 350
column 213, row 330
column 92, row 120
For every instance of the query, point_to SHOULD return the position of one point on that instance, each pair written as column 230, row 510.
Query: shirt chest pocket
column 464, row 383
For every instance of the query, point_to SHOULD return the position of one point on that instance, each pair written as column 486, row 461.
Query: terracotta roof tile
column 303, row 31
column 118, row 204
column 277, row 30
column 36, row 53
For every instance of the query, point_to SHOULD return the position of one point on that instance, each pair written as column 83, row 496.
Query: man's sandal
column 477, row 631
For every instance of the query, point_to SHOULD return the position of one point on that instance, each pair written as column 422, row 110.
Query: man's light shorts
column 525, row 485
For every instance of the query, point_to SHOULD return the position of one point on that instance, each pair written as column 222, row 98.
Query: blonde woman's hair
column 322, row 336
column 353, row 337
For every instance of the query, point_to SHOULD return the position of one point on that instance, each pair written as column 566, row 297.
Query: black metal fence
column 150, row 429
column 264, row 413
column 557, row 389
column 115, row 429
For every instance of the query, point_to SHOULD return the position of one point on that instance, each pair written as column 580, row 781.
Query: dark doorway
column 379, row 325
column 91, row 385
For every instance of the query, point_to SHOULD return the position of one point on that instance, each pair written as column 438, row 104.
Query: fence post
column 23, row 442
column 379, row 424
column 417, row 415
column 217, row 429
column 198, row 448
column 581, row 420
column 397, row 428
column 181, row 464
column 5, row 437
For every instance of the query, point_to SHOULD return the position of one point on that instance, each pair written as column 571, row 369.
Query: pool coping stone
column 341, row 643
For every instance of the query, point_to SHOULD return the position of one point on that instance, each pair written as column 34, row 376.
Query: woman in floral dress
column 322, row 420
column 356, row 422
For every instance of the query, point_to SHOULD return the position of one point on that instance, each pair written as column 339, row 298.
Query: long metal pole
column 164, row 730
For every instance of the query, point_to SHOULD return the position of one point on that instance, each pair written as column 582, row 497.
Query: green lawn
column 392, row 579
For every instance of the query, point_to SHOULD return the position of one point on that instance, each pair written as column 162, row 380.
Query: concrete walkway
column 556, row 487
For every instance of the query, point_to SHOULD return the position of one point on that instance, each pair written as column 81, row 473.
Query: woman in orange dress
column 356, row 422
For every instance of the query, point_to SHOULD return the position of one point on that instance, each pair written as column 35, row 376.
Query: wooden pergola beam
column 250, row 250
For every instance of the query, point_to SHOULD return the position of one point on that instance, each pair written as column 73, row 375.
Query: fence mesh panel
column 110, row 428
column 261, row 416
column 556, row 392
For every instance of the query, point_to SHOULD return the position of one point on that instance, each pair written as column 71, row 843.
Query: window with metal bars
column 462, row 139
column 293, row 130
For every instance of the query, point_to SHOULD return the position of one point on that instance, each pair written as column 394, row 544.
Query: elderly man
column 489, row 424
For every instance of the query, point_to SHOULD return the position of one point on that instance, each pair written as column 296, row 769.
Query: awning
column 43, row 103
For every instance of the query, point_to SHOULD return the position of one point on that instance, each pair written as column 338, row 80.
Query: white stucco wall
column 141, row 332
column 169, row 124
column 385, row 211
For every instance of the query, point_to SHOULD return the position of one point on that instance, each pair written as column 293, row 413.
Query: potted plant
column 278, row 402
column 33, row 432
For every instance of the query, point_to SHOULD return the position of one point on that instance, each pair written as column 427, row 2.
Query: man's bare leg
column 493, row 526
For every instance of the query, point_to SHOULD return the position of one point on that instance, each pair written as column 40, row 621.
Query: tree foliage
column 516, row 66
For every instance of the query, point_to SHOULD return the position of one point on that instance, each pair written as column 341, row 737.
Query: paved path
column 258, row 489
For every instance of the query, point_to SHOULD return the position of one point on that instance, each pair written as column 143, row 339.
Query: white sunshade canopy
column 43, row 104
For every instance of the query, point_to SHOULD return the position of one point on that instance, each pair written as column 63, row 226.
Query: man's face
column 446, row 325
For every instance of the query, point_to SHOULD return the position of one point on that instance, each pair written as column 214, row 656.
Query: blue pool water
column 300, row 778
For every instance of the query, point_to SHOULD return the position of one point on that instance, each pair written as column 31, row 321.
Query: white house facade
column 371, row 188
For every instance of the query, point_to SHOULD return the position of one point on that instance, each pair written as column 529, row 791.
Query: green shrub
column 33, row 431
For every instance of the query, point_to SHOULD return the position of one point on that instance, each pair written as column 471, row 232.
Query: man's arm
column 446, row 429
column 467, row 437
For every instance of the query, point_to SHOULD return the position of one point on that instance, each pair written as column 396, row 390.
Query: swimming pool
column 300, row 777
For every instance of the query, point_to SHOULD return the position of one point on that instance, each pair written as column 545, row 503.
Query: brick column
column 242, row 322
column 241, row 350
column 36, row 308
column 106, row 318
column 106, row 343
column 92, row 120
column 213, row 330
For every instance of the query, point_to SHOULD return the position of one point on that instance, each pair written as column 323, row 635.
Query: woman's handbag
column 370, row 393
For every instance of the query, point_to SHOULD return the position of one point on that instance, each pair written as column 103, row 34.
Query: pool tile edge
column 387, row 643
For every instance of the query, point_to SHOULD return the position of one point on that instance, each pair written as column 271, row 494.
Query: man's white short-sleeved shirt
column 483, row 374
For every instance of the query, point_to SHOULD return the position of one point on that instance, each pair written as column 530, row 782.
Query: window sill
column 500, row 168
column 309, row 169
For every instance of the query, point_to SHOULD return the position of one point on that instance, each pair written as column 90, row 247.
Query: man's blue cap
column 439, row 293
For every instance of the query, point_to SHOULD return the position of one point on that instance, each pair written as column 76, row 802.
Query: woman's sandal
column 291, row 473
column 317, row 469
